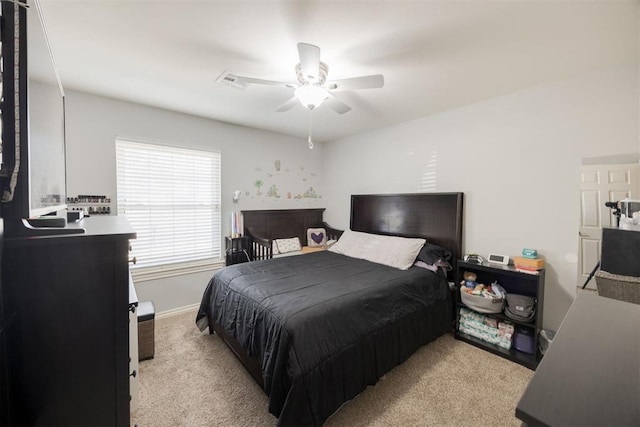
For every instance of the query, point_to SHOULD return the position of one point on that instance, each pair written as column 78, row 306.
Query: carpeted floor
column 195, row 380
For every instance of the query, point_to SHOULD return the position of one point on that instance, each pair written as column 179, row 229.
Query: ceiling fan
column 312, row 88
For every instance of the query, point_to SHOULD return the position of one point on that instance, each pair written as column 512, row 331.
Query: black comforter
column 324, row 325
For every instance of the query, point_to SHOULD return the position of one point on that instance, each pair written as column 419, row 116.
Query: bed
column 315, row 330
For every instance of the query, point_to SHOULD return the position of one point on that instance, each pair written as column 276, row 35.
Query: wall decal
column 283, row 182
column 273, row 192
column 258, row 184
column 310, row 194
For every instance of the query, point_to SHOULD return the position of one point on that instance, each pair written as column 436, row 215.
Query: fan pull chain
column 310, row 141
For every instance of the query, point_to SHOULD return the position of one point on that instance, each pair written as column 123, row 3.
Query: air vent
column 230, row 79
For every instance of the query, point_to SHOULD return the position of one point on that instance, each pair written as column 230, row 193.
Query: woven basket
column 624, row 288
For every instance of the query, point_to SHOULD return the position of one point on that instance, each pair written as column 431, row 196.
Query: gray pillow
column 432, row 254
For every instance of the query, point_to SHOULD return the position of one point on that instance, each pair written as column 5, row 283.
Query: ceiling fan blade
column 241, row 82
column 364, row 82
column 336, row 105
column 288, row 105
column 251, row 80
column 309, row 60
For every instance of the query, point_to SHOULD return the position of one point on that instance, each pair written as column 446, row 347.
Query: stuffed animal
column 470, row 279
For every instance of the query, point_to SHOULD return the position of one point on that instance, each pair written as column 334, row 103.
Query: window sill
column 163, row 271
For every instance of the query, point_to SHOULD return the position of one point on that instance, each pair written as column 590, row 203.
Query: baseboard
column 177, row 311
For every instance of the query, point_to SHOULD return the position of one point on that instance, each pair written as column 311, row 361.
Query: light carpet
column 195, row 380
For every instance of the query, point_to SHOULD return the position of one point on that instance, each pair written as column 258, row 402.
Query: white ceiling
column 434, row 55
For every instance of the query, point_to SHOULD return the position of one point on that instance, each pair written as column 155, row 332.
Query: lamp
column 311, row 96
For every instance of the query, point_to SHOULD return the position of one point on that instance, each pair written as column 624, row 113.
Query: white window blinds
column 171, row 197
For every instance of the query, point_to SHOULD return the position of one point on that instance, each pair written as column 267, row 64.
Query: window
column 171, row 197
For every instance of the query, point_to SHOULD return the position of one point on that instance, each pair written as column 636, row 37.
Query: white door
column 600, row 184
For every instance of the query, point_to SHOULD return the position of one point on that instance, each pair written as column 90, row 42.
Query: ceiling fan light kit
column 316, row 76
column 312, row 89
column 311, row 96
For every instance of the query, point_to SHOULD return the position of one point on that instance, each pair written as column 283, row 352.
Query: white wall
column 94, row 122
column 248, row 155
column 517, row 159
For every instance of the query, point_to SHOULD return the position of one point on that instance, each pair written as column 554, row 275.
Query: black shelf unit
column 512, row 281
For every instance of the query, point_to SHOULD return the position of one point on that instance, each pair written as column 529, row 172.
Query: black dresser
column 68, row 345
column 5, row 322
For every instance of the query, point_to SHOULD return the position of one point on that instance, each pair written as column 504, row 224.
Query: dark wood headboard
column 281, row 223
column 436, row 217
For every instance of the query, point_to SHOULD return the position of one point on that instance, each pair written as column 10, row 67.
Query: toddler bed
column 265, row 228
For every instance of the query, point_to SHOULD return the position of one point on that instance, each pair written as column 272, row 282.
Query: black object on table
column 590, row 373
column 237, row 249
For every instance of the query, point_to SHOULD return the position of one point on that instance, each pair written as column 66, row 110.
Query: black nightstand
column 237, row 249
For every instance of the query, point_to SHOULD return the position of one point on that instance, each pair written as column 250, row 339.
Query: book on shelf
column 527, row 270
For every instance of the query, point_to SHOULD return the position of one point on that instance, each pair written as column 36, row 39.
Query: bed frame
column 436, row 217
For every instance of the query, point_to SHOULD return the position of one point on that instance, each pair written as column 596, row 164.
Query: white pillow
column 288, row 245
column 394, row 251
